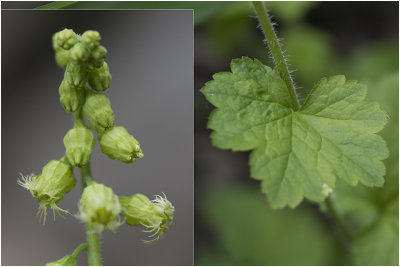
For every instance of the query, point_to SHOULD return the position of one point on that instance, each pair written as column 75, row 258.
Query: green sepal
column 97, row 109
column 91, row 39
column 156, row 215
column 99, row 207
column 76, row 75
column 117, row 143
column 79, row 143
column 71, row 99
column 100, row 78
column 66, row 39
column 98, row 55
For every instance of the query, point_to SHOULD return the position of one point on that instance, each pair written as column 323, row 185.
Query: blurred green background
column 233, row 222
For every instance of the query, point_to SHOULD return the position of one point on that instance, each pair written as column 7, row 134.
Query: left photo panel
column 97, row 137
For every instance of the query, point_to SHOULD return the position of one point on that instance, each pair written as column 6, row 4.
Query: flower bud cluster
column 85, row 69
column 83, row 59
column 156, row 215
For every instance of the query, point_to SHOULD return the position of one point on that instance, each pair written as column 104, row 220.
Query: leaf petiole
column 276, row 51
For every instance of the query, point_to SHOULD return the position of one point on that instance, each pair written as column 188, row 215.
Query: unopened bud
column 62, row 58
column 79, row 143
column 61, row 55
column 91, row 39
column 97, row 109
column 79, row 53
column 100, row 78
column 76, row 75
column 66, row 39
column 98, row 54
column 50, row 186
column 71, row 99
column 117, row 143
column 156, row 215
column 99, row 207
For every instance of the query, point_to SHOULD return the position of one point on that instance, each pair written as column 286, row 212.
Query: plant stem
column 276, row 51
column 79, row 249
column 92, row 237
column 78, row 119
column 338, row 220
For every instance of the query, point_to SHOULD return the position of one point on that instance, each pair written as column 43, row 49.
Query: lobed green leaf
column 297, row 154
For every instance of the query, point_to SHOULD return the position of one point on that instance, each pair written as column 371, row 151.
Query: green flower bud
column 91, row 39
column 99, row 207
column 70, row 98
column 79, row 53
column 62, row 58
column 50, row 186
column 79, row 143
column 98, row 54
column 54, row 42
column 76, row 75
column 100, row 78
column 117, row 143
column 66, row 39
column 156, row 215
column 97, row 109
column 69, row 260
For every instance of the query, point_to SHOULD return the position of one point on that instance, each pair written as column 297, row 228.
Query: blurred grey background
column 150, row 54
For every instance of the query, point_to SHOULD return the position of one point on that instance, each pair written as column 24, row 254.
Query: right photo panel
column 297, row 134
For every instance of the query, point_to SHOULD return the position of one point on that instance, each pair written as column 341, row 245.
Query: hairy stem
column 79, row 249
column 276, row 51
column 338, row 219
column 94, row 256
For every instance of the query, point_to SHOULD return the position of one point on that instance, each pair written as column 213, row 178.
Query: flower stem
column 338, row 220
column 92, row 237
column 94, row 256
column 276, row 51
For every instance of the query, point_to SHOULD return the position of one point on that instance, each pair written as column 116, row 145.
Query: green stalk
column 94, row 256
column 91, row 236
column 337, row 219
column 78, row 119
column 276, row 51
column 79, row 249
